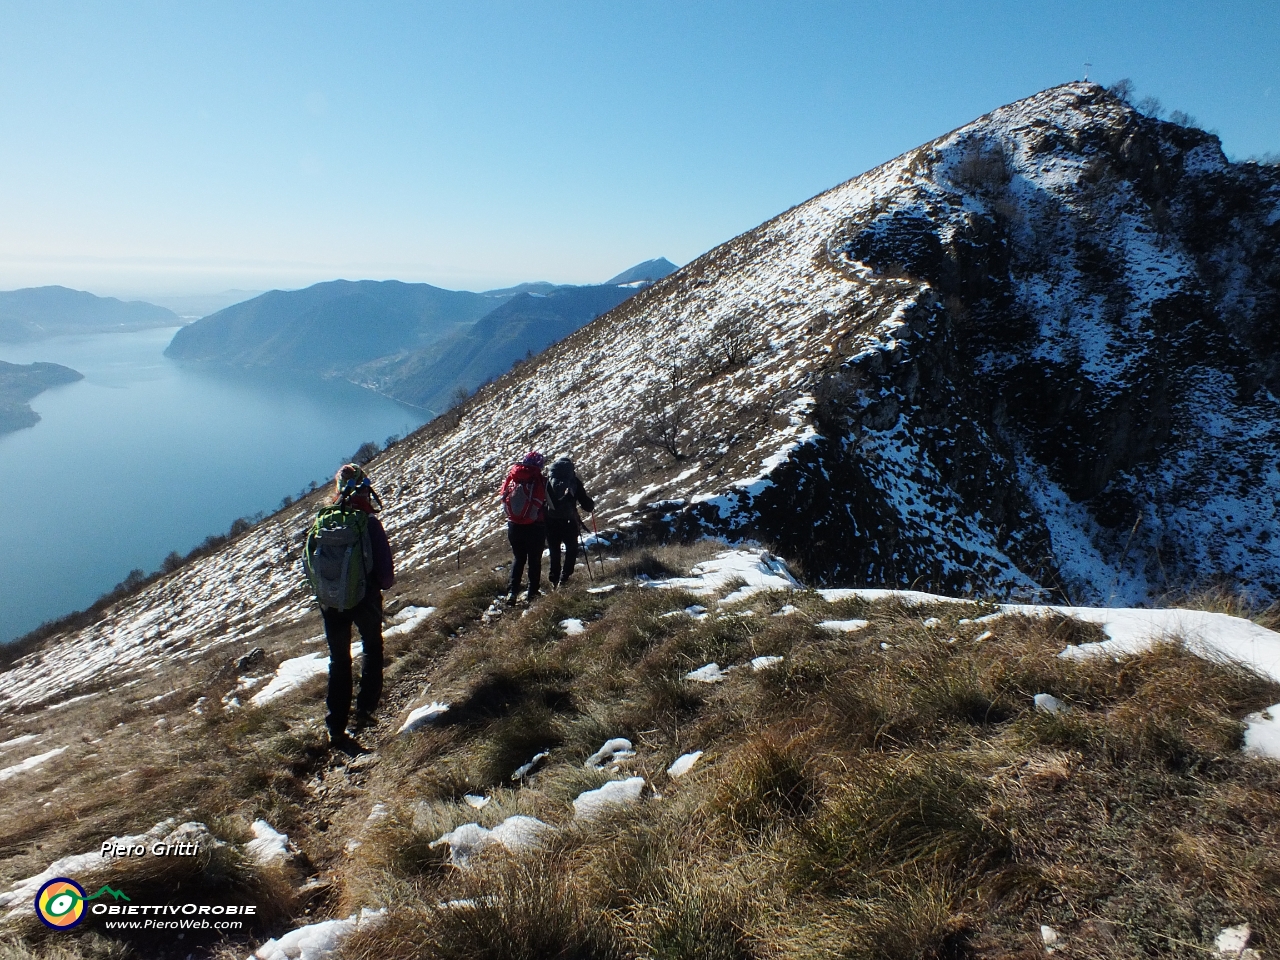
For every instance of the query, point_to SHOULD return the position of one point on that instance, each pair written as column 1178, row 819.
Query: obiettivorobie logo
column 60, row 902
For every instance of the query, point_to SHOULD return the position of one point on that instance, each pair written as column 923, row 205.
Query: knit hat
column 534, row 459
column 351, row 481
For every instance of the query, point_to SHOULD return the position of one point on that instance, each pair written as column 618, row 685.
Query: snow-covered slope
column 972, row 368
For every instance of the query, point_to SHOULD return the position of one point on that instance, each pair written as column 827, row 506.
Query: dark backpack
column 339, row 557
column 560, row 495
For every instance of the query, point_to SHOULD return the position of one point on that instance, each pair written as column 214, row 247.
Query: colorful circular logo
column 60, row 903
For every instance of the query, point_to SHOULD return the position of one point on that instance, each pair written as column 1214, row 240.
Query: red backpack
column 523, row 495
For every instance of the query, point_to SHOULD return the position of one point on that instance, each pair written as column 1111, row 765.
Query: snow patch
column 1234, row 942
column 470, row 839
column 268, row 844
column 525, row 769
column 683, row 764
column 711, row 673
column 30, row 763
column 760, row 571
column 614, row 795
column 407, row 620
column 421, row 716
column 315, row 941
column 844, row 626
column 619, row 748
column 1262, row 733
column 296, row 672
column 1048, row 703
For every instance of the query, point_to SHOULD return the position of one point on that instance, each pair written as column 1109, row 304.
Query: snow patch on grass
column 619, row 748
column 844, row 626
column 268, row 844
column 1262, row 733
column 421, row 716
column 315, row 941
column 614, row 795
column 30, row 763
column 683, row 764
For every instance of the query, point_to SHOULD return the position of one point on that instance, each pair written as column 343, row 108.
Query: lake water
column 147, row 455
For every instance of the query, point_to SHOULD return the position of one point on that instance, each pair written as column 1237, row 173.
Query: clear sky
column 184, row 147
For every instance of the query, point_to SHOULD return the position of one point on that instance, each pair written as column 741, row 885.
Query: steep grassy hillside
column 868, row 777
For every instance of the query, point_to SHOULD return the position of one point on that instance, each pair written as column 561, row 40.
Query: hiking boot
column 511, row 599
column 345, row 743
column 532, row 595
column 361, row 720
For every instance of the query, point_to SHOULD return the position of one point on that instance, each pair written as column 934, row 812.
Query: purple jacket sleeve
column 383, row 570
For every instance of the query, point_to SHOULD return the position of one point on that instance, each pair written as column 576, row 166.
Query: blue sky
column 171, row 147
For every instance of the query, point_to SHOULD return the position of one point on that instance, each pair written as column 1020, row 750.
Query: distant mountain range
column 647, row 272
column 329, row 328
column 35, row 313
column 411, row 341
column 525, row 324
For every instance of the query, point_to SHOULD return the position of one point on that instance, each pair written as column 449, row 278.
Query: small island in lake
column 20, row 382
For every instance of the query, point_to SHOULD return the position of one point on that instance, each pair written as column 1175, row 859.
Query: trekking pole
column 596, row 531
column 586, row 554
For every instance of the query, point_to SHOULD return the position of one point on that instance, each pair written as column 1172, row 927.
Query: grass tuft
column 771, row 780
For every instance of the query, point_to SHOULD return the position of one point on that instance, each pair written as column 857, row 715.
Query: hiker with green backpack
column 348, row 561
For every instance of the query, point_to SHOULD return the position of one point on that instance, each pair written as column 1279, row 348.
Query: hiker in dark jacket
column 353, row 489
column 565, row 493
column 524, row 495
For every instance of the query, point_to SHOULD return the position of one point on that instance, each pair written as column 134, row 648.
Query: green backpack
column 339, row 557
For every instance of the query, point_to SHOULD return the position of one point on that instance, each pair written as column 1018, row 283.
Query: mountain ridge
column 310, row 329
column 870, row 381
column 415, row 343
column 34, row 313
column 781, row 387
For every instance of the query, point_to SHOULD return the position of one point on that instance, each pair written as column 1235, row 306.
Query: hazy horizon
column 161, row 150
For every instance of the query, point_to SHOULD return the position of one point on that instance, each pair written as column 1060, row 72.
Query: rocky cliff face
column 1035, row 356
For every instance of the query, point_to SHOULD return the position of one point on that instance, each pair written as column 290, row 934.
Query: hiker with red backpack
column 565, row 493
column 348, row 561
column 524, row 497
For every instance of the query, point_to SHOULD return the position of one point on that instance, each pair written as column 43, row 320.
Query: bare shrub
column 983, row 165
column 1150, row 106
column 732, row 343
column 1122, row 90
column 366, row 452
column 665, row 421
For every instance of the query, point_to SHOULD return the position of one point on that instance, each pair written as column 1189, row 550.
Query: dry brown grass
column 889, row 792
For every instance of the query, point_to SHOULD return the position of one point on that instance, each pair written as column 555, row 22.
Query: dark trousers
column 527, row 541
column 367, row 617
column 562, row 533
